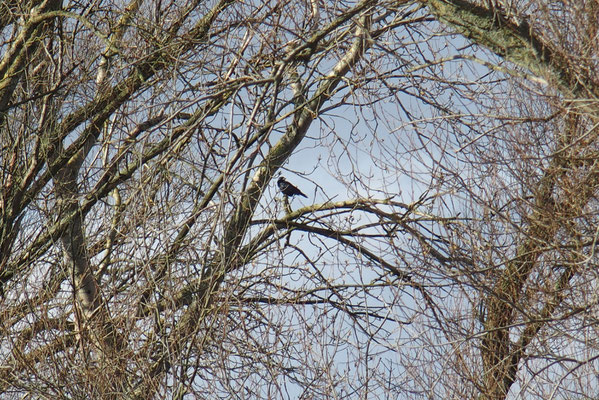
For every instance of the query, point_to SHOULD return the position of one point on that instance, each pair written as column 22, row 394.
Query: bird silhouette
column 288, row 189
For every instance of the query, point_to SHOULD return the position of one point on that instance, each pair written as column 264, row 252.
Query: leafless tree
column 448, row 148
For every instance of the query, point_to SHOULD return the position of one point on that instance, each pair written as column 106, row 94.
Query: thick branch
column 515, row 42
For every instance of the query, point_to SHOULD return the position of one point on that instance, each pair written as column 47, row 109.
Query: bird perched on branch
column 288, row 189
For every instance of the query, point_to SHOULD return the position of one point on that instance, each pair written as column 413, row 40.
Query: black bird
column 288, row 189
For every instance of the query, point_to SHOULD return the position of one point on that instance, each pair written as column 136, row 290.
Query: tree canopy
column 449, row 151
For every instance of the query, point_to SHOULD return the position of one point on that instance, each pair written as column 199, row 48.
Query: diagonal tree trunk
column 516, row 42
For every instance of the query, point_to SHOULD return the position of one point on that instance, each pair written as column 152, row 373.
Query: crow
column 288, row 189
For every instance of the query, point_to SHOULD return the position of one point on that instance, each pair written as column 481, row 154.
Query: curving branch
column 514, row 41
